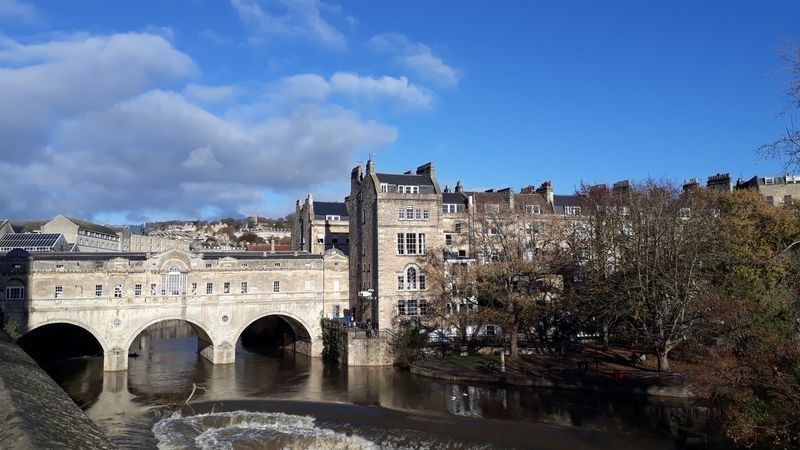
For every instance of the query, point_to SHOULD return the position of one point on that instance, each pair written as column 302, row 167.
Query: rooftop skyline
column 127, row 112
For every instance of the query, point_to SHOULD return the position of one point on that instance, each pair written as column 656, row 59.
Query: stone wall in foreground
column 35, row 412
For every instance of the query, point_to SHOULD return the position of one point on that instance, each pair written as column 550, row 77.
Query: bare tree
column 453, row 303
column 517, row 278
column 786, row 148
column 657, row 249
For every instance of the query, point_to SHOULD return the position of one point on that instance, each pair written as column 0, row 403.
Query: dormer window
column 572, row 210
column 402, row 189
column 333, row 217
column 384, row 187
column 769, row 180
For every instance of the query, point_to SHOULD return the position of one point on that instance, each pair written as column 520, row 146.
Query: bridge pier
column 223, row 353
column 115, row 360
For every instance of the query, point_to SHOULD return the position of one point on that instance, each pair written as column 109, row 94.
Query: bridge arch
column 301, row 341
column 80, row 324
column 203, row 332
column 298, row 325
column 60, row 339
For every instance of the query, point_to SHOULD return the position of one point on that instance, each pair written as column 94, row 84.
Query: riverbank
column 36, row 412
column 561, row 373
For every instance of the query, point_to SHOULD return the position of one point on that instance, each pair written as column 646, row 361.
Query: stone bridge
column 116, row 296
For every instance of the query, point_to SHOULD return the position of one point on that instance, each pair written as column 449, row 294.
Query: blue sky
column 131, row 111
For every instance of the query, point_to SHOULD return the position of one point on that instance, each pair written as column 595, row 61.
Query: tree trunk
column 514, row 344
column 605, row 337
column 663, row 361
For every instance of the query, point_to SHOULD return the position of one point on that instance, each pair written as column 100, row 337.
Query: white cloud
column 296, row 19
column 43, row 83
column 417, row 57
column 313, row 87
column 209, row 94
column 18, row 10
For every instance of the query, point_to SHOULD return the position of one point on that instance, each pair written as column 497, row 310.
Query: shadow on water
column 168, row 365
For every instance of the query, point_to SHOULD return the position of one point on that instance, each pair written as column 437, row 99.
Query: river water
column 271, row 398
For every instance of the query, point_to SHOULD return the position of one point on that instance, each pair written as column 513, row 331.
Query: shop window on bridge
column 174, row 282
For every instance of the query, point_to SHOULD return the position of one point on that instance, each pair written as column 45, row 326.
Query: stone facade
column 775, row 190
column 116, row 296
column 397, row 218
column 89, row 237
column 132, row 242
column 320, row 226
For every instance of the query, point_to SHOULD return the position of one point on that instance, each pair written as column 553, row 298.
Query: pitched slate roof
column 330, row 209
column 93, row 226
column 453, row 197
column 412, row 180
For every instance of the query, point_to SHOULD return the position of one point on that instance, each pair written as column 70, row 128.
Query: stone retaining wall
column 35, row 412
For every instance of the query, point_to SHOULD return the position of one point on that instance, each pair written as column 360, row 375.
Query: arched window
column 15, row 290
column 174, row 282
column 401, row 307
column 411, row 276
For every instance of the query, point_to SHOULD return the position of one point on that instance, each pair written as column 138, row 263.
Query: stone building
column 320, row 226
column 89, row 237
column 396, row 218
column 137, row 242
column 775, row 190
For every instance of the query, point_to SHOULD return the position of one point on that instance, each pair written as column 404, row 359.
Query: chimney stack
column 546, row 191
column 459, row 188
column 720, row 182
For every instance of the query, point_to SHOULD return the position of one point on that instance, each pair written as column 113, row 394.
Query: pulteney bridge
column 115, row 296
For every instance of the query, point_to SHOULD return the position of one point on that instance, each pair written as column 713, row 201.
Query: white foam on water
column 244, row 429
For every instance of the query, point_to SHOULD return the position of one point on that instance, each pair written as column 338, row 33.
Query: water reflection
column 167, row 367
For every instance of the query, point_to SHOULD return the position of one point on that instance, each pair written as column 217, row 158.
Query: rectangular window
column 117, row 290
column 423, row 307
column 423, row 285
column 770, row 200
column 426, row 214
column 226, row 287
column 401, row 214
column 458, row 228
column 384, row 188
column 411, row 244
column 462, row 253
column 422, row 243
column 336, row 286
column 418, row 214
column 401, row 307
column 59, row 292
column 276, row 286
column 409, row 213
column 533, row 209
column 194, row 288
column 244, row 287
column 137, row 290
column 490, row 331
column 787, row 198
column 448, row 239
column 769, row 180
column 572, row 210
column 153, row 289
column 412, row 307
column 333, row 217
column 98, row 290
column 15, row 292
column 209, row 288
column 309, row 285
column 320, row 239
column 400, row 245
column 208, row 265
